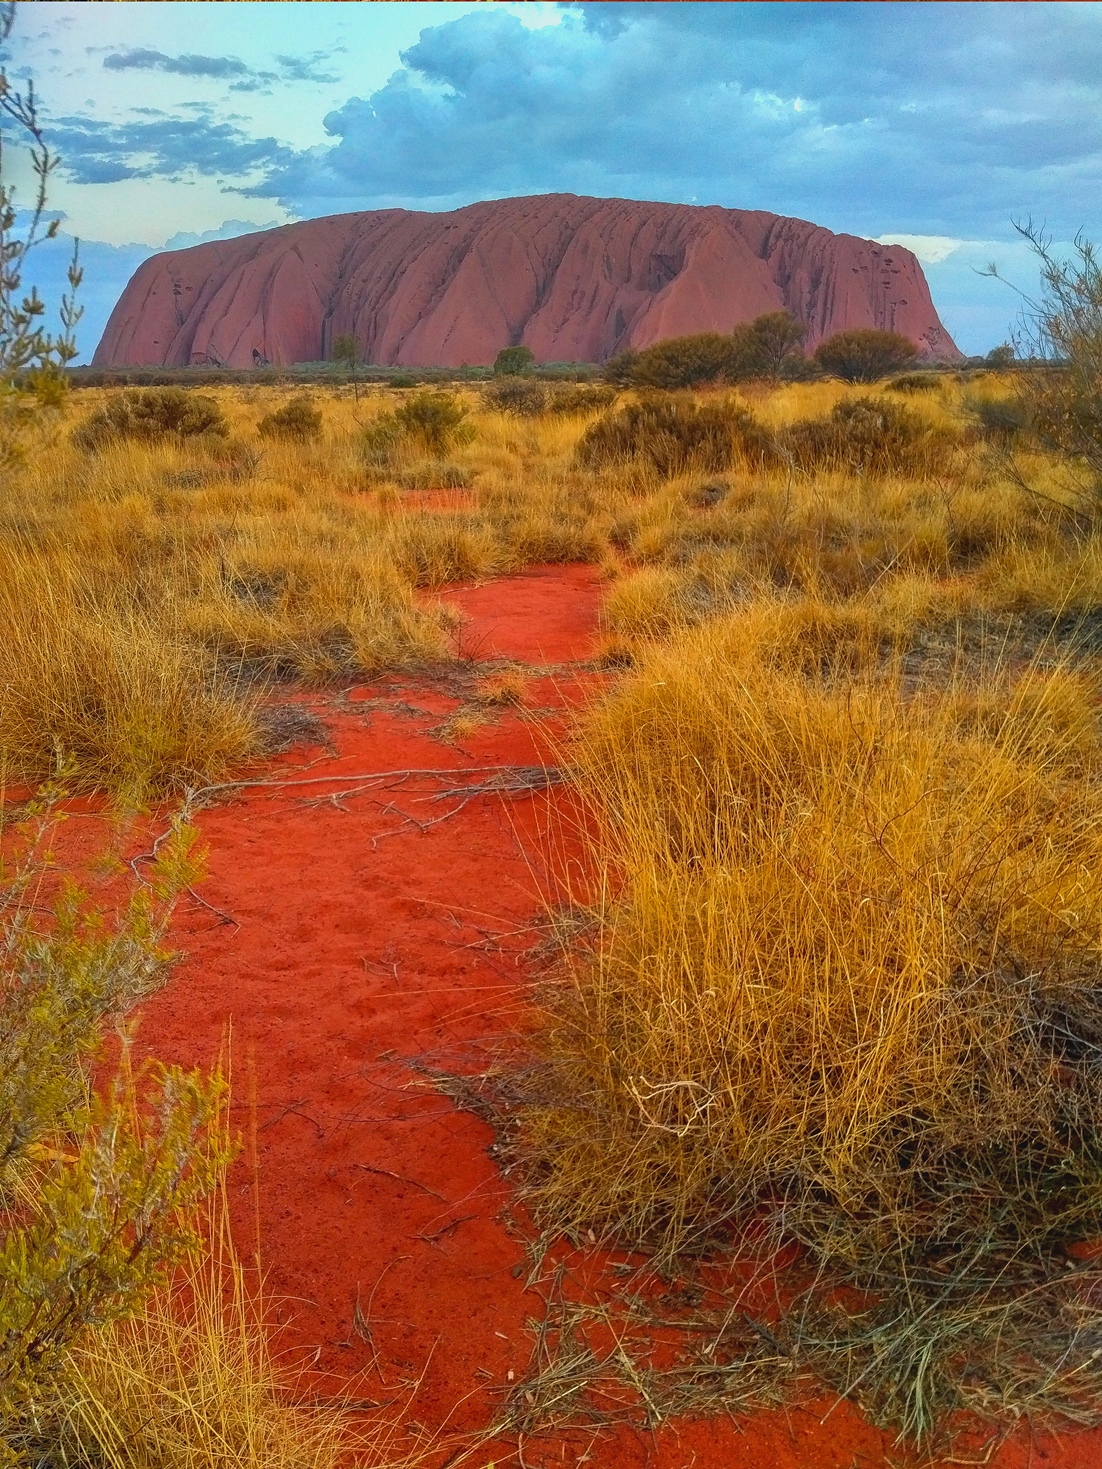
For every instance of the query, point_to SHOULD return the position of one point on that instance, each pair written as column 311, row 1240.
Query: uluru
column 575, row 279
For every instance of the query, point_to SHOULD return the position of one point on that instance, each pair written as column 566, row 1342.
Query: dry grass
column 192, row 1383
column 847, row 990
column 846, row 980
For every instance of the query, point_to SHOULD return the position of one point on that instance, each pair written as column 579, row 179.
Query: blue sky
column 934, row 124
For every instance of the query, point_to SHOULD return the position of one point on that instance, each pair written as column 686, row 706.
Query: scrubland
column 839, row 976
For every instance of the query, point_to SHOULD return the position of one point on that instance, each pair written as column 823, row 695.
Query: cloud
column 930, row 249
column 188, row 66
column 156, row 144
column 229, row 229
column 242, row 78
column 945, row 119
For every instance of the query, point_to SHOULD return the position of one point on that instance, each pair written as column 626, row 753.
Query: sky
column 935, row 125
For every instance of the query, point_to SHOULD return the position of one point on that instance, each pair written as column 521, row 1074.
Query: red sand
column 361, row 943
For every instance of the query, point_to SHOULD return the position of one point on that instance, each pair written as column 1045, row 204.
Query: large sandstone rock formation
column 575, row 279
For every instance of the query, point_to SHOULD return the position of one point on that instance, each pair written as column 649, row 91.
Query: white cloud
column 930, row 249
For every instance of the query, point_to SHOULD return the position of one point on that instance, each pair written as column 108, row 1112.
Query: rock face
column 574, row 279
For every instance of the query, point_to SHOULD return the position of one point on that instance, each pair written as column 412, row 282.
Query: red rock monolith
column 574, row 279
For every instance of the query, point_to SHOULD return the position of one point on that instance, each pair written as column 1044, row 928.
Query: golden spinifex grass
column 152, row 585
column 847, row 987
column 194, row 1383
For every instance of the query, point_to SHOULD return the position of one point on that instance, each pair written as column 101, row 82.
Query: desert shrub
column 1000, row 358
column 866, row 436
column 864, row 354
column 684, row 362
column 518, row 395
column 768, row 347
column 619, row 371
column 513, row 361
column 435, row 421
column 575, row 399
column 95, row 1186
column 674, row 435
column 297, row 419
column 151, row 414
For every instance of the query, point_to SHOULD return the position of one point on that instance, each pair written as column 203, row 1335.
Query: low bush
column 872, row 436
column 298, row 419
column 433, row 422
column 513, row 361
column 865, row 354
column 572, row 400
column 151, row 414
column 521, row 396
column 915, row 382
column 95, row 1187
column 674, row 435
column 686, row 362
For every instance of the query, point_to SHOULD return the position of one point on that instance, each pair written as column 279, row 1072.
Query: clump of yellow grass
column 848, row 978
column 193, row 1383
column 98, row 685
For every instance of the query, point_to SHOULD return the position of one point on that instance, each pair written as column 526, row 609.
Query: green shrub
column 151, row 414
column 95, row 1185
column 513, row 361
column 436, row 420
column 685, row 362
column 865, row 436
column 297, row 419
column 864, row 354
column 674, row 435
column 768, row 347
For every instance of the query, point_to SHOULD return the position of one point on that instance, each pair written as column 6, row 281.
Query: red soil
column 360, row 945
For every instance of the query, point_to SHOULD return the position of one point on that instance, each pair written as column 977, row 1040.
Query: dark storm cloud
column 942, row 118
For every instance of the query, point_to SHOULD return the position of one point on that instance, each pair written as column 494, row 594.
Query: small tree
column 512, row 361
column 1063, row 399
column 765, row 346
column 31, row 357
column 865, row 354
column 345, row 352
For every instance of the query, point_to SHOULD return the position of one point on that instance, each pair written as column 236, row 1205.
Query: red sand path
column 361, row 943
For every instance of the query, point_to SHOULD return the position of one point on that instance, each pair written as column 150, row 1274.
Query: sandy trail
column 362, row 946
